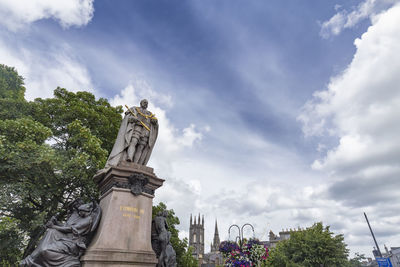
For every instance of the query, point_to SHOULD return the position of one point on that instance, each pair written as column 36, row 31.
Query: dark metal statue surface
column 64, row 243
column 137, row 182
column 160, row 241
column 136, row 136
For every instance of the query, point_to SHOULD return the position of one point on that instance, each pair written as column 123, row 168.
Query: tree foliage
column 11, row 241
column 98, row 116
column 184, row 256
column 49, row 151
column 187, row 259
column 315, row 246
column 357, row 260
column 11, row 84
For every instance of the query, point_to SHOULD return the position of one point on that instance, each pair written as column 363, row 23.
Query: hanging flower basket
column 250, row 253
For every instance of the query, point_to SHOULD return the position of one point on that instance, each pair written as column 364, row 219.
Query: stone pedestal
column 123, row 237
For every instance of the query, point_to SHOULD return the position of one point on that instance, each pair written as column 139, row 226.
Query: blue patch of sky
column 195, row 46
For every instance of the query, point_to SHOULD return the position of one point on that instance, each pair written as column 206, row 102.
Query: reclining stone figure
column 64, row 243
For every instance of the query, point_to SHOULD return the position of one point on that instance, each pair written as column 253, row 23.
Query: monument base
column 104, row 258
column 124, row 235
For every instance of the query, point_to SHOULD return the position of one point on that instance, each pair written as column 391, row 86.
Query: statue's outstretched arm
column 62, row 229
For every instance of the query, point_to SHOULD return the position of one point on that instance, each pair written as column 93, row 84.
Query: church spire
column 216, row 229
column 216, row 241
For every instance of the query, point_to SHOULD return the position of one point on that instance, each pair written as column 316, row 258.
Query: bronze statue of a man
column 136, row 137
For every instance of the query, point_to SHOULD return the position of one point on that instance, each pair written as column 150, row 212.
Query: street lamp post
column 240, row 230
column 242, row 252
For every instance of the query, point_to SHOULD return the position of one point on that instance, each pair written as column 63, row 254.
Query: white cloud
column 189, row 136
column 361, row 105
column 139, row 89
column 47, row 65
column 344, row 19
column 361, row 108
column 334, row 25
column 17, row 14
column 42, row 74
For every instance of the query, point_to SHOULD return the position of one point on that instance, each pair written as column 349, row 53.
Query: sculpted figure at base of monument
column 64, row 243
column 136, row 136
column 160, row 241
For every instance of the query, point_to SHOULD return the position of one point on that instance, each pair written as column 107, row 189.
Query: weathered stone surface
column 119, row 259
column 124, row 234
column 136, row 136
column 119, row 177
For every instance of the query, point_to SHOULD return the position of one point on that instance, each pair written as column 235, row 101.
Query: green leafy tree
column 12, row 90
column 98, row 116
column 187, row 258
column 357, row 260
column 315, row 246
column 11, row 241
column 184, row 256
column 11, row 84
column 49, row 151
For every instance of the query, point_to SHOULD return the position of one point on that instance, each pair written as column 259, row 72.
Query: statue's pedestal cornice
column 119, row 176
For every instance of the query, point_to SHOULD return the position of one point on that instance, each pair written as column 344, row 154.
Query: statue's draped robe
column 124, row 138
column 64, row 249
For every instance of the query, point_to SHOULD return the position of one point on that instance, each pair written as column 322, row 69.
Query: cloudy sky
column 277, row 113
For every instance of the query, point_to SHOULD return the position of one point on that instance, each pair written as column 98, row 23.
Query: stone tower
column 216, row 242
column 196, row 236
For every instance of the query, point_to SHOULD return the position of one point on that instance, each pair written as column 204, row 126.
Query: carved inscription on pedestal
column 131, row 212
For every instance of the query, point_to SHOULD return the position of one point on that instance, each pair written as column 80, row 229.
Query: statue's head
column 74, row 205
column 162, row 213
column 85, row 209
column 144, row 103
